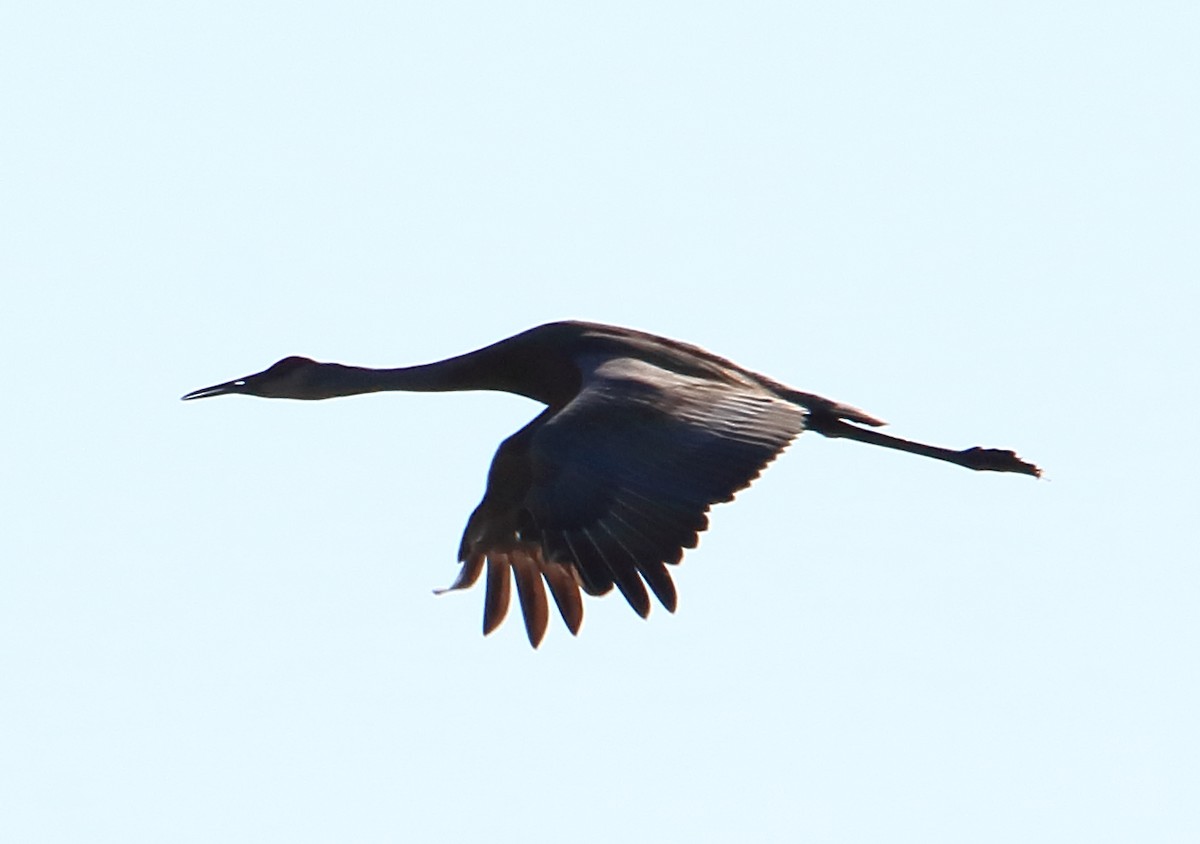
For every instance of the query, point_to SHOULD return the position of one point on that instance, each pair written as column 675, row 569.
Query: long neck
column 486, row 369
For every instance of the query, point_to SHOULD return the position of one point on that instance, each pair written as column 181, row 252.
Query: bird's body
column 608, row 485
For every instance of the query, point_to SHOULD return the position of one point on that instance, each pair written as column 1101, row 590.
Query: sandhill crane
column 641, row 435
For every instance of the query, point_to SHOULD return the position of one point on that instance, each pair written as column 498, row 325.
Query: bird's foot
column 997, row 460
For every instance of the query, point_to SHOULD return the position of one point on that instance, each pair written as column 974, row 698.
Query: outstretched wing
column 610, row 489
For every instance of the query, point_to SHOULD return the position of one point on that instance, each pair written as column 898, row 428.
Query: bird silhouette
column 609, row 484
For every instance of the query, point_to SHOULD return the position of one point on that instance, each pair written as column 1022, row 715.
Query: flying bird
column 609, row 484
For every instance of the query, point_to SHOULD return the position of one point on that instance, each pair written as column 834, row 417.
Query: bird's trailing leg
column 979, row 459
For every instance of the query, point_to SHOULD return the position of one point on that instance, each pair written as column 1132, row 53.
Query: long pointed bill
column 217, row 390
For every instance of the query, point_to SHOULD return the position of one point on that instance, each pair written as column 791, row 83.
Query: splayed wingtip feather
column 495, row 602
column 472, row 567
column 564, row 586
column 531, row 594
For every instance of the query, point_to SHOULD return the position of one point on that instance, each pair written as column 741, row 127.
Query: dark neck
column 542, row 380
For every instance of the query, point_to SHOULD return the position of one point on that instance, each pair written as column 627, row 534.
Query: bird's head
column 290, row 378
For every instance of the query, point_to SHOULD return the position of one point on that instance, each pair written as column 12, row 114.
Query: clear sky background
column 977, row 221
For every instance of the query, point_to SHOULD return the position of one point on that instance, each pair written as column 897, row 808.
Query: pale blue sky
column 977, row 221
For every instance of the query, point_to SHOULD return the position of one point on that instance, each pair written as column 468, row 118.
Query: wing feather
column 565, row 588
column 472, row 567
column 499, row 586
column 597, row 579
column 612, row 487
column 531, row 593
column 659, row 579
column 623, row 568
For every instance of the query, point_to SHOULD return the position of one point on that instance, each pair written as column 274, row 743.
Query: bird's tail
column 826, row 410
